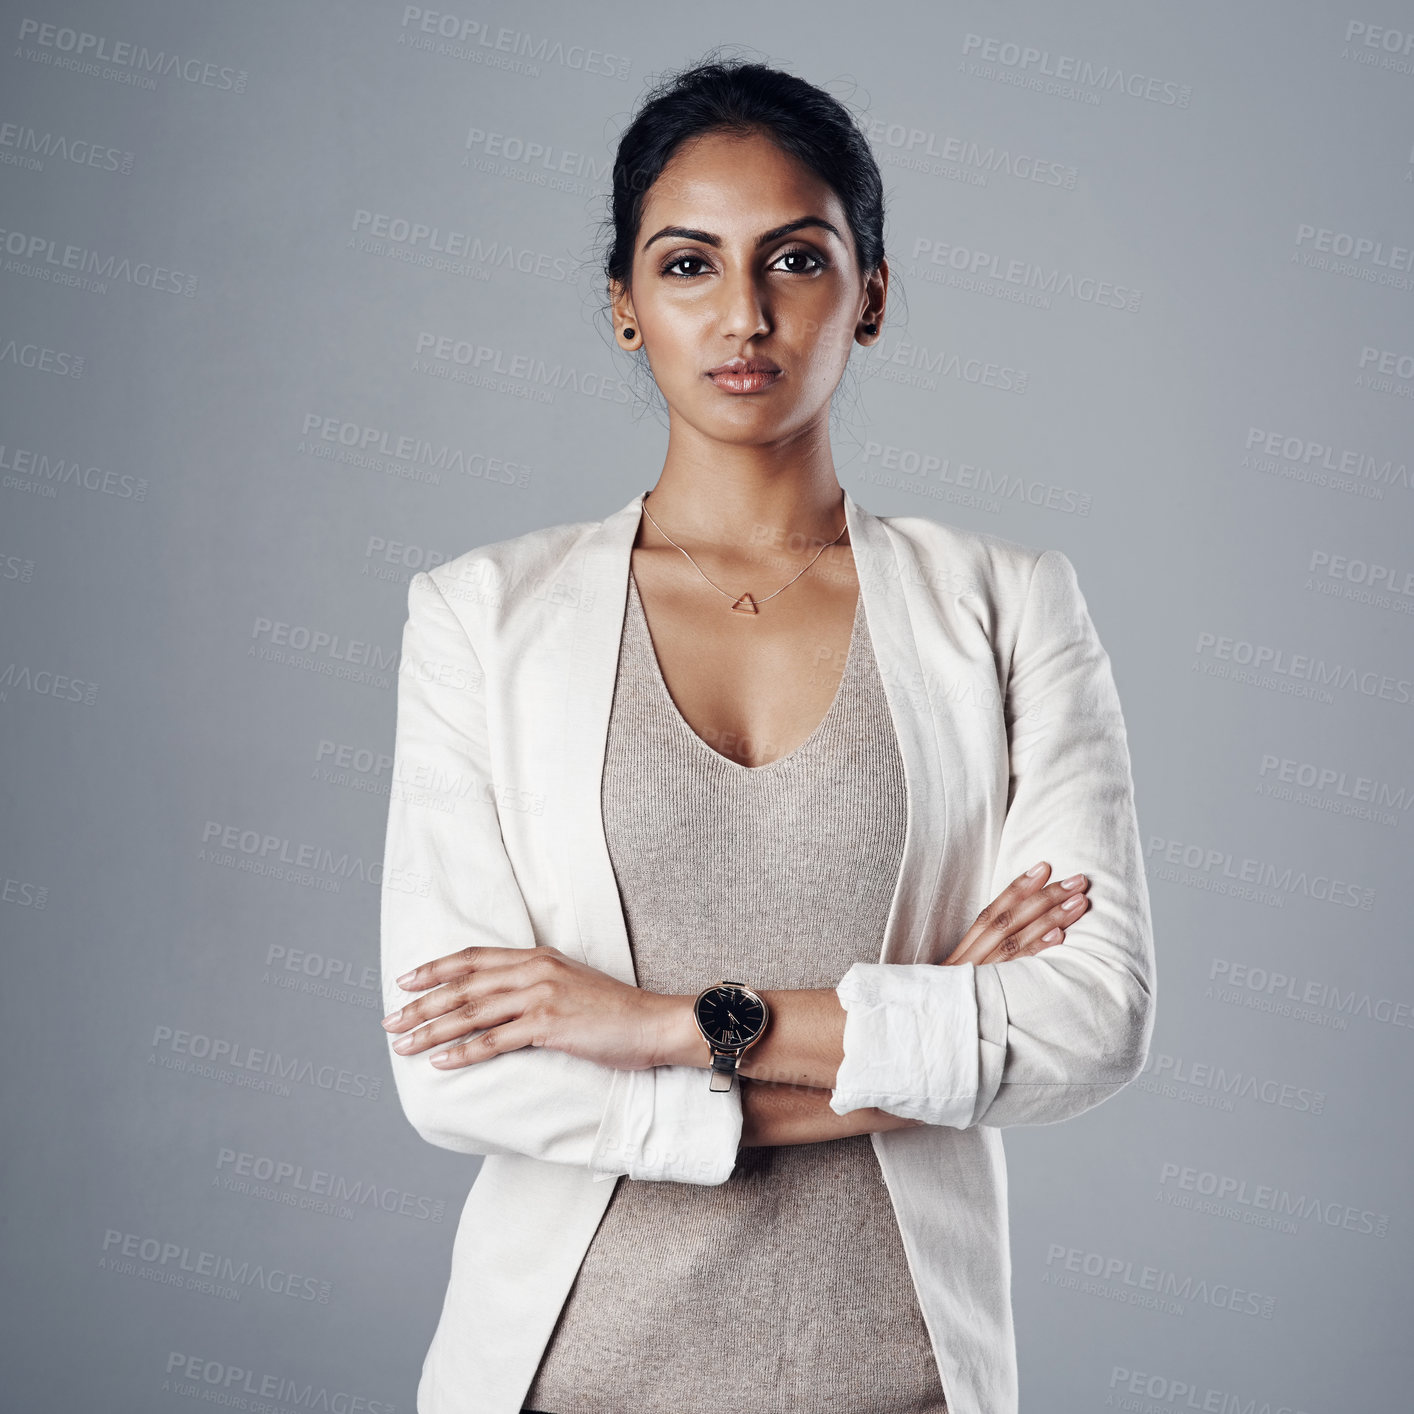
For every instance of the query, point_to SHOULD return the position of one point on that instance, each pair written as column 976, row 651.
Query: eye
column 668, row 268
column 799, row 252
column 696, row 263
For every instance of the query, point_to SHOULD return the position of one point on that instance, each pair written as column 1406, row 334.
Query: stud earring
column 871, row 328
column 628, row 334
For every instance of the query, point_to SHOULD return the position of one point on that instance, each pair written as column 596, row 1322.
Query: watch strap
column 723, row 1068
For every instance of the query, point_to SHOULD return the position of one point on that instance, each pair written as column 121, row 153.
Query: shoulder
column 996, row 569
column 489, row 583
column 545, row 544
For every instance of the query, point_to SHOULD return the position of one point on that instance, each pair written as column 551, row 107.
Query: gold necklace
column 743, row 603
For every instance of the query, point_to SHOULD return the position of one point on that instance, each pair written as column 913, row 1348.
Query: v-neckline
column 656, row 672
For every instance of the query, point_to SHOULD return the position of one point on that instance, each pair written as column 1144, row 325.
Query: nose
column 743, row 312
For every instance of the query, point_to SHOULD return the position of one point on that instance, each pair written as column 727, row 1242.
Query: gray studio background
column 296, row 299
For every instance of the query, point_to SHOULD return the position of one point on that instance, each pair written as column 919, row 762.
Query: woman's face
column 716, row 277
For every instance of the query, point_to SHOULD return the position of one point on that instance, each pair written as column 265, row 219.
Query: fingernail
column 392, row 1017
column 407, row 977
column 442, row 1058
column 1034, row 870
column 1071, row 882
column 1051, row 936
column 1072, row 903
column 406, row 1044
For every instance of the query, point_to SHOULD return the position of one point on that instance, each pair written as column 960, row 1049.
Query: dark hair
column 738, row 96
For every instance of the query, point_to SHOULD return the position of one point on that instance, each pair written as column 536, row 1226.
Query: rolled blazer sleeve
column 449, row 884
column 1033, row 1040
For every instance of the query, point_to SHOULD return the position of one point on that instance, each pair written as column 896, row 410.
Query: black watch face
column 730, row 1018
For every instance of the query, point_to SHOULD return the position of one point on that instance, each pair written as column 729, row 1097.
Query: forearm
column 787, row 1076
column 803, row 1044
column 774, row 1114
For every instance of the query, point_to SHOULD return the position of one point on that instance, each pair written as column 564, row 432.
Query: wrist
column 680, row 1039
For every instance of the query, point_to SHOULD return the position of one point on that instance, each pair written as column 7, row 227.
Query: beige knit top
column 786, row 1288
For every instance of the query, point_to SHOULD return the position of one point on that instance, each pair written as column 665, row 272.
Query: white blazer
column 1014, row 750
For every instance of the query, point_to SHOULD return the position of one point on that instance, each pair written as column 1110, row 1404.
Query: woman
column 743, row 729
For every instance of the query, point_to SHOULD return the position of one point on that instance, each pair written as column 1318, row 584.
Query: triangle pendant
column 746, row 605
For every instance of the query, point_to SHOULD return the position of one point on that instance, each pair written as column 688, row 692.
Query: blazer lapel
column 600, row 566
column 600, row 570
column 885, row 565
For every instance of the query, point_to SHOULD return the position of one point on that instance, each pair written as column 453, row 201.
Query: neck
column 738, row 510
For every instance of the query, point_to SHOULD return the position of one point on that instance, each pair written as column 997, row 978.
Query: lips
column 744, row 375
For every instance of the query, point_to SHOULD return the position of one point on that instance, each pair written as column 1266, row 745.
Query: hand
column 1027, row 917
column 528, row 997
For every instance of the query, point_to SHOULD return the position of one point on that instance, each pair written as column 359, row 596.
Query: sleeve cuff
column 664, row 1123
column 910, row 1041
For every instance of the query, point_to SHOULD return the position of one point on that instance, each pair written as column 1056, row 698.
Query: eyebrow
column 687, row 233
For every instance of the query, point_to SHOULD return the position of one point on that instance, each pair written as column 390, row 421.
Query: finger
column 998, row 922
column 471, row 1014
column 1046, row 931
column 497, row 1041
column 517, row 967
column 1032, row 918
column 458, row 964
column 1019, row 904
column 1011, row 897
column 1061, row 905
column 455, row 967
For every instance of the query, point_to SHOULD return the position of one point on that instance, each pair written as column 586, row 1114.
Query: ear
column 620, row 303
column 876, row 292
column 622, row 317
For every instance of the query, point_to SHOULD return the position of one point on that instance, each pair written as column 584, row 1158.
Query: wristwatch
column 732, row 1017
